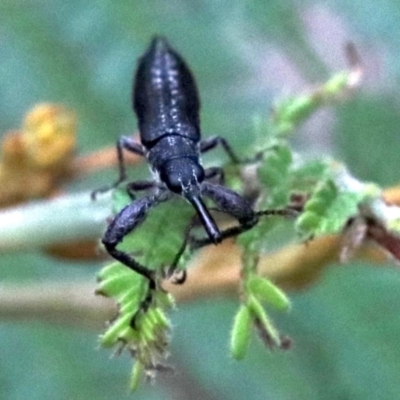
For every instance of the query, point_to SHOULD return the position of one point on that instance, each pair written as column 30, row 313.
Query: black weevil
column 166, row 102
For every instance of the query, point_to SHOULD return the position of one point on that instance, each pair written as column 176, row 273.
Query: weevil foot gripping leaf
column 141, row 326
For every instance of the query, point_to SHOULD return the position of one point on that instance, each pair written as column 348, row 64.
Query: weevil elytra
column 167, row 104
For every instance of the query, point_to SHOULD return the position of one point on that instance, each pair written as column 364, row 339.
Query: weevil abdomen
column 165, row 96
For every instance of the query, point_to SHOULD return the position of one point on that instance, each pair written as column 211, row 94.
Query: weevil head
column 183, row 176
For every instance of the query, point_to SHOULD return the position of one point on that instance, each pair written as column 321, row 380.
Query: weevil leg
column 129, row 218
column 215, row 172
column 144, row 304
column 213, row 141
column 231, row 203
column 237, row 230
column 127, row 143
column 289, row 211
column 187, row 239
column 140, row 186
column 225, row 234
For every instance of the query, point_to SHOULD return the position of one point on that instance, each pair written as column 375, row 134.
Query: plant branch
column 59, row 220
column 215, row 272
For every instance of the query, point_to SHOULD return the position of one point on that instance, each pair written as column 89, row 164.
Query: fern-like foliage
column 143, row 329
column 323, row 193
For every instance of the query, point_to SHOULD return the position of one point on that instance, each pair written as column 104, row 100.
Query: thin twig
column 215, row 272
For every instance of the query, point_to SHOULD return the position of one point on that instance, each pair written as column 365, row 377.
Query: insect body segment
column 167, row 104
column 165, row 96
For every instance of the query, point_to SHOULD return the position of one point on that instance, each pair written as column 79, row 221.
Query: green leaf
column 265, row 325
column 264, row 290
column 143, row 330
column 119, row 282
column 137, row 373
column 241, row 330
column 291, row 112
column 273, row 174
column 329, row 208
column 303, row 178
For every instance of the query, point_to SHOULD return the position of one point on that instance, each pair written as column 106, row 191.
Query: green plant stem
column 68, row 218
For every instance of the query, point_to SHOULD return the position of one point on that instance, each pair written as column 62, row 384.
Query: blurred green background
column 245, row 55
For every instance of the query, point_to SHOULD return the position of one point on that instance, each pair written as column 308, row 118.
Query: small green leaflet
column 143, row 331
column 334, row 201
